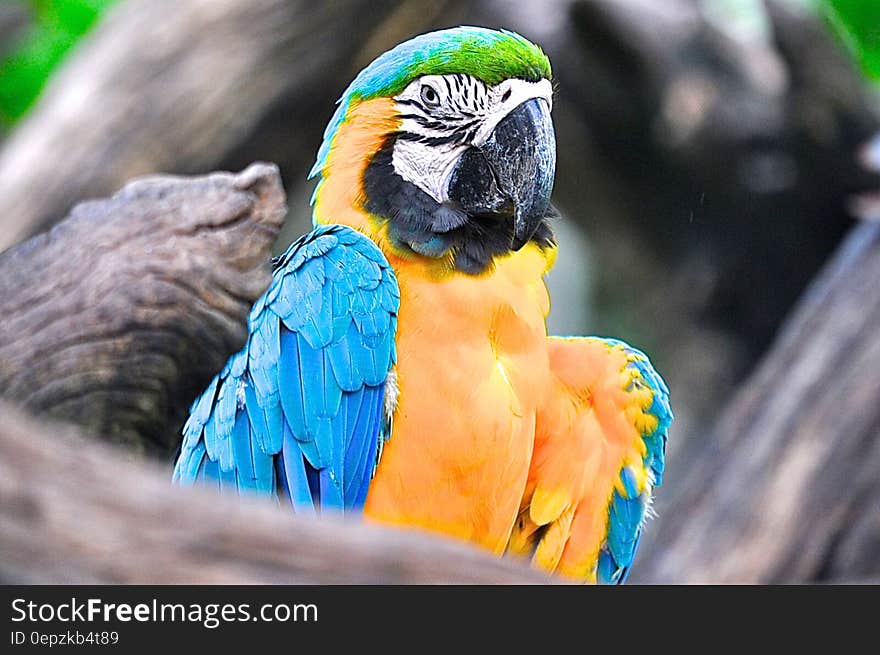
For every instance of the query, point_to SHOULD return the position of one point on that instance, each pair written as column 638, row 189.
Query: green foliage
column 56, row 26
column 858, row 24
column 855, row 22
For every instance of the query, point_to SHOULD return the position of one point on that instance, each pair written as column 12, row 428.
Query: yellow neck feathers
column 340, row 196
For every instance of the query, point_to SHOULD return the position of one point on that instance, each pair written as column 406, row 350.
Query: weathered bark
column 739, row 150
column 118, row 317
column 784, row 490
column 172, row 85
column 78, row 512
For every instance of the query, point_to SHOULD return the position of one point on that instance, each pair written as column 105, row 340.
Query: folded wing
column 299, row 412
column 599, row 453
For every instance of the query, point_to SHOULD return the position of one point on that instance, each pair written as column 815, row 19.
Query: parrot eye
column 430, row 96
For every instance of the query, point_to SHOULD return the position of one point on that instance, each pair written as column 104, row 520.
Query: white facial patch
column 520, row 91
column 442, row 115
column 428, row 167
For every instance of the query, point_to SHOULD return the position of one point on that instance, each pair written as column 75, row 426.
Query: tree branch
column 122, row 313
column 785, row 489
column 74, row 511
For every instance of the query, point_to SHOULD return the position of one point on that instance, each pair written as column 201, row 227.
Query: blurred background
column 712, row 153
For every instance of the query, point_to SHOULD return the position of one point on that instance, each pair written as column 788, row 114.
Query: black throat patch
column 419, row 224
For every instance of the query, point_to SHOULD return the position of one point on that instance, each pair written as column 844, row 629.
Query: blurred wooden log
column 785, row 489
column 72, row 511
column 172, row 85
column 119, row 316
column 737, row 147
column 14, row 20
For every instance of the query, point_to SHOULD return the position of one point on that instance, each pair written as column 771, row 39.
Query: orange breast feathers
column 472, row 371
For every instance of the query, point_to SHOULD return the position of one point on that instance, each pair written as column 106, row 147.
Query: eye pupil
column 429, row 95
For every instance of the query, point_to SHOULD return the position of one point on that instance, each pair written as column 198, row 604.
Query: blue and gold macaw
column 399, row 364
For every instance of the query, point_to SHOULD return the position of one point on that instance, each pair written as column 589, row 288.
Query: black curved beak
column 511, row 174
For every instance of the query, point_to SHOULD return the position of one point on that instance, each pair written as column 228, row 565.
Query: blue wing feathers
column 259, row 424
column 359, row 459
column 283, row 484
column 606, row 569
column 626, row 512
column 630, row 484
column 314, row 485
column 243, row 459
column 297, row 482
column 264, row 471
column 224, row 411
column 201, row 409
column 342, row 359
column 625, row 517
column 353, row 409
column 298, row 411
column 212, row 443
column 361, row 496
column 192, row 463
column 331, row 494
column 290, row 381
column 228, row 479
column 210, row 472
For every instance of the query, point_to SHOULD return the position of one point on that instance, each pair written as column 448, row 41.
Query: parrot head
column 444, row 148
